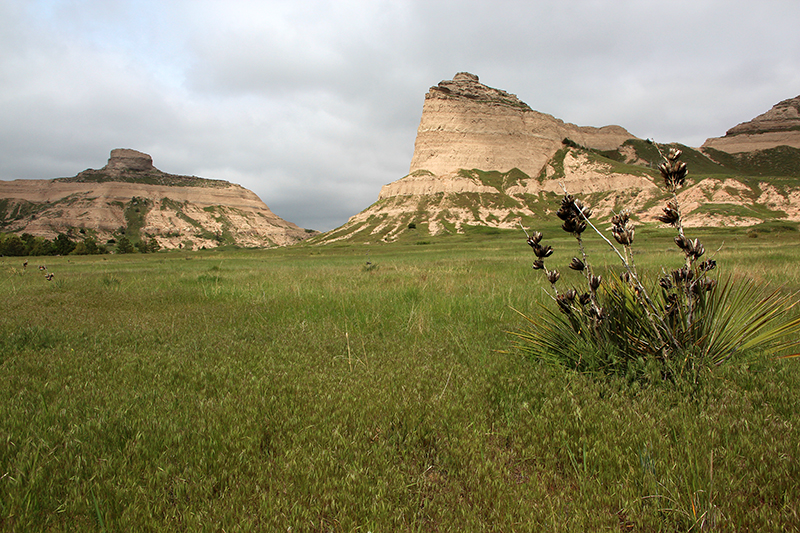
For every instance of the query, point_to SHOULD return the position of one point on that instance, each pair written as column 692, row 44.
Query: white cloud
column 314, row 105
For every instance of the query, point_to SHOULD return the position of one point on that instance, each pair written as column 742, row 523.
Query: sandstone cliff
column 466, row 124
column 483, row 158
column 129, row 196
column 780, row 126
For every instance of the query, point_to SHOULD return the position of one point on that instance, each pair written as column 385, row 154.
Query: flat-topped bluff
column 780, row 126
column 129, row 196
column 466, row 124
column 485, row 159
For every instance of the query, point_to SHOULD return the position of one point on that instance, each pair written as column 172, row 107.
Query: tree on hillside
column 12, row 245
column 88, row 246
column 42, row 246
column 63, row 245
column 124, row 246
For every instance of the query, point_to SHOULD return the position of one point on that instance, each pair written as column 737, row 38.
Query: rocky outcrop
column 480, row 159
column 466, row 124
column 123, row 159
column 472, row 198
column 483, row 158
column 780, row 126
column 129, row 196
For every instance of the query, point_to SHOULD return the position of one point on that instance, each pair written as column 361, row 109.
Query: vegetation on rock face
column 778, row 161
column 685, row 324
column 153, row 177
column 135, row 215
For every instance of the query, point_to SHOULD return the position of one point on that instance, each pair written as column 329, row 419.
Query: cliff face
column 483, row 158
column 129, row 196
column 780, row 126
column 466, row 124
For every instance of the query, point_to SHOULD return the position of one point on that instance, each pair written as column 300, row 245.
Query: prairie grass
column 295, row 388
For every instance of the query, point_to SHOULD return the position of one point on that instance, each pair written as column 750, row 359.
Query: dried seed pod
column 553, row 276
column 594, row 282
column 570, row 295
column 671, row 214
column 623, row 236
column 535, row 238
column 538, row 264
column 622, row 228
column 585, row 298
column 708, row 265
column 577, row 264
column 697, row 249
column 683, row 243
column 665, row 283
column 682, row 275
column 580, row 210
column 563, row 304
column 621, row 218
column 703, row 285
column 542, row 251
column 673, row 171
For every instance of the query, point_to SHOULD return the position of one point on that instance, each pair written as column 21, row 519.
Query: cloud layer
column 314, row 105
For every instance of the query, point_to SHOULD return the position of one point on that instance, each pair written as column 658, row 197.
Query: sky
column 314, row 105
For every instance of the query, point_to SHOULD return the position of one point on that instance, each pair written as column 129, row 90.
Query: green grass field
column 303, row 389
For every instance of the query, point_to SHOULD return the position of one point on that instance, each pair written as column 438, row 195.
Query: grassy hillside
column 368, row 388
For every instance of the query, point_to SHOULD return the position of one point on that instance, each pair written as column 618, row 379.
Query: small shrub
column 124, row 246
column 673, row 328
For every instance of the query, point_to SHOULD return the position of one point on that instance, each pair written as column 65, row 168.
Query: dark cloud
column 314, row 105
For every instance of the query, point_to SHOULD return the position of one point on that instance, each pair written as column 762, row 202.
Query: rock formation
column 780, row 126
column 466, row 124
column 123, row 159
column 129, row 196
column 483, row 158
column 477, row 160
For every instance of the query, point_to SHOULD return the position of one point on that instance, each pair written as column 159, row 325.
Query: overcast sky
column 314, row 105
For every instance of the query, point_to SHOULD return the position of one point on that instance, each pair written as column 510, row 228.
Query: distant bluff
column 125, row 159
column 131, row 197
column 780, row 126
column 466, row 124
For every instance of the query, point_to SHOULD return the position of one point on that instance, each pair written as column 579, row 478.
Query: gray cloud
column 314, row 105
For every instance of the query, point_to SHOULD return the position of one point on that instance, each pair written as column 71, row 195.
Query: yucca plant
column 676, row 327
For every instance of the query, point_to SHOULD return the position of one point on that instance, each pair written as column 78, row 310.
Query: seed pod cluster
column 574, row 214
column 622, row 228
column 673, row 170
column 541, row 252
column 577, row 264
column 671, row 214
column 692, row 248
column 708, row 265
